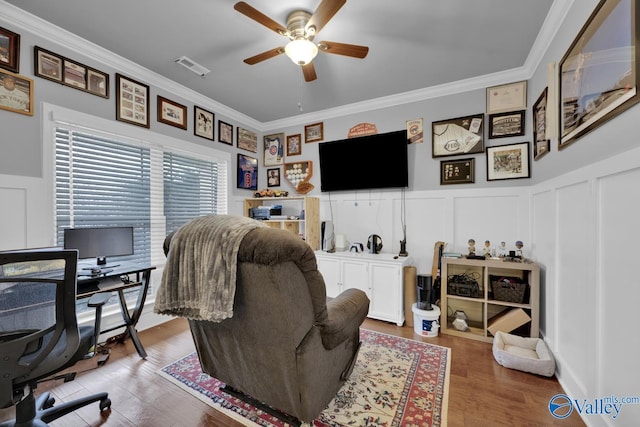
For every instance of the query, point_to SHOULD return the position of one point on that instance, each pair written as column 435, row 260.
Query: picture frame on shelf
column 273, row 177
column 132, row 101
column 459, row 171
column 273, row 146
column 48, row 65
column 507, row 97
column 247, row 176
column 510, row 161
column 462, row 135
column 599, row 75
column 9, row 50
column 22, row 89
column 247, row 140
column 225, row 132
column 97, row 82
column 506, row 125
column 294, row 145
column 314, row 132
column 75, row 74
column 203, row 123
column 541, row 144
column 171, row 113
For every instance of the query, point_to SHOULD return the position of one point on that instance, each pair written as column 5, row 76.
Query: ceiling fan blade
column 260, row 17
column 264, row 56
column 309, row 72
column 345, row 49
column 324, row 13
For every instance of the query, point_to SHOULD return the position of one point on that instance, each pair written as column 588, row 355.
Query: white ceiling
column 414, row 44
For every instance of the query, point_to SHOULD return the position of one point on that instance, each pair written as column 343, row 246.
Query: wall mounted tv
column 366, row 162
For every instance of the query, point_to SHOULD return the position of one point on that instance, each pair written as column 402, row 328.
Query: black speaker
column 425, row 289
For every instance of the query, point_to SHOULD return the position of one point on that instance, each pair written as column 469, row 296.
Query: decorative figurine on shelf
column 502, row 250
column 519, row 246
column 472, row 247
column 486, row 251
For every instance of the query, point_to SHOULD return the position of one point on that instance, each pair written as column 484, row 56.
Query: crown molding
column 47, row 30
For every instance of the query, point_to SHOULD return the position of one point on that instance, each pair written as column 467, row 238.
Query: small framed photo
column 132, row 101
column 508, row 162
column 273, row 177
column 9, row 50
column 21, row 93
column 505, row 125
column 541, row 144
column 273, row 149
column 314, row 132
column 203, row 121
column 509, row 97
column 247, row 140
column 460, row 171
column 75, row 74
column 225, row 132
column 247, row 172
column 48, row 65
column 172, row 113
column 294, row 145
column 464, row 135
column 97, row 82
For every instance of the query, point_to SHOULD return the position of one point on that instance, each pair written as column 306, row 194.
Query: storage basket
column 508, row 290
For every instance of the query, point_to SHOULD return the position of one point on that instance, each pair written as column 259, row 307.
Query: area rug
column 396, row 382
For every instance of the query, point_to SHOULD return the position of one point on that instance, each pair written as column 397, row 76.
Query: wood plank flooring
column 481, row 392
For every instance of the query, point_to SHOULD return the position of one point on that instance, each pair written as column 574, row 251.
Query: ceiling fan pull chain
column 300, row 96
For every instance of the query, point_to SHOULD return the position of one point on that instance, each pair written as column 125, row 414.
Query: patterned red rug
column 396, row 382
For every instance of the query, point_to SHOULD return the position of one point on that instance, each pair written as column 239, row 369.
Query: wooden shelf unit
column 307, row 228
column 481, row 309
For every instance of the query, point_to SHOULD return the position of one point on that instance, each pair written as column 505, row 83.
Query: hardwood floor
column 481, row 392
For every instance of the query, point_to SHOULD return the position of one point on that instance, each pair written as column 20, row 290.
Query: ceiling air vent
column 193, row 66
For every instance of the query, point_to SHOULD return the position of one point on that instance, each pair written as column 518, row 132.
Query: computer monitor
column 100, row 242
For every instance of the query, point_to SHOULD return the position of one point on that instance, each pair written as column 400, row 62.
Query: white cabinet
column 380, row 276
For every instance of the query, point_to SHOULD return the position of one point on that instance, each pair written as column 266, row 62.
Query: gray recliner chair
column 285, row 345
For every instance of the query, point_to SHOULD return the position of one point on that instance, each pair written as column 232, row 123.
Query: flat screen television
column 99, row 242
column 366, row 162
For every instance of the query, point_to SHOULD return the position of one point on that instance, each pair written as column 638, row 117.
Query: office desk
column 98, row 288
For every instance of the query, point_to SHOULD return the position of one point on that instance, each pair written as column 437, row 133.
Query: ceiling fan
column 301, row 29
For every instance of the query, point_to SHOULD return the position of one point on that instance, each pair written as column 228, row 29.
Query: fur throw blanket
column 199, row 278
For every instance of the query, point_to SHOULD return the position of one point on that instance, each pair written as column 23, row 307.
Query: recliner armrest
column 345, row 314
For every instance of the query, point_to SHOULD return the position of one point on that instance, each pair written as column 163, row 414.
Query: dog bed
column 524, row 354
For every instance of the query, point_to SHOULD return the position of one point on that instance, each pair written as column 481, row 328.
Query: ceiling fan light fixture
column 301, row 51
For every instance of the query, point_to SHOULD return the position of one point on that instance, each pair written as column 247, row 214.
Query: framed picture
column 75, row 74
column 97, row 82
column 9, row 50
column 599, row 73
column 457, row 171
column 294, row 145
column 203, row 121
column 464, row 135
column 247, row 140
column 508, row 162
column 16, row 93
column 48, row 65
column 132, row 101
column 298, row 175
column 172, row 113
column 314, row 132
column 541, row 143
column 415, row 131
column 504, row 125
column 273, row 177
column 273, row 149
column 225, row 132
column 247, row 172
column 509, row 97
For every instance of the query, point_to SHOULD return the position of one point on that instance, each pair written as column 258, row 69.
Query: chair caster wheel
column 49, row 403
column 105, row 404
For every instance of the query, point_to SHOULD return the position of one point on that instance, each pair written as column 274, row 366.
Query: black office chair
column 39, row 333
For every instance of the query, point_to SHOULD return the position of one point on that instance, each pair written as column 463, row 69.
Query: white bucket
column 426, row 322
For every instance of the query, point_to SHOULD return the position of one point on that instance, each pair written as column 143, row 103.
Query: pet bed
column 524, row 354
